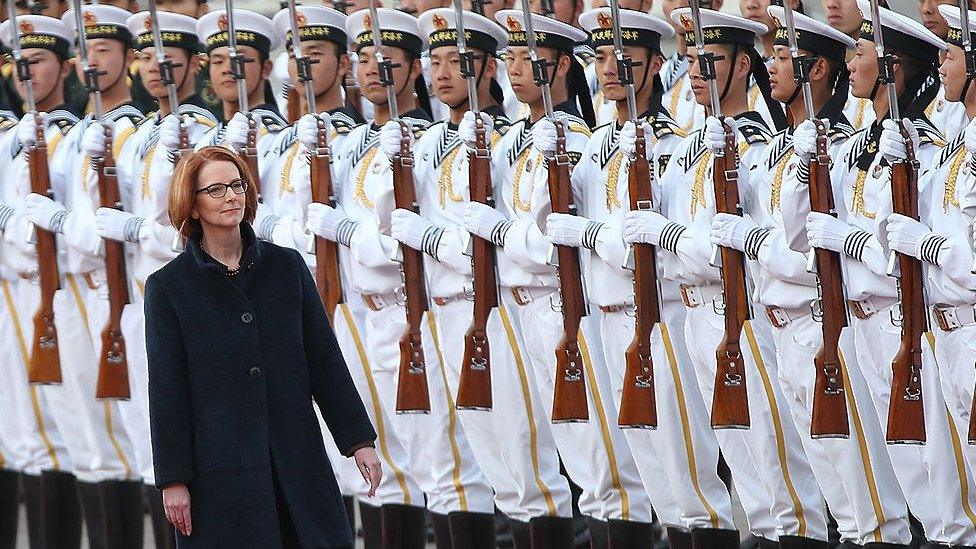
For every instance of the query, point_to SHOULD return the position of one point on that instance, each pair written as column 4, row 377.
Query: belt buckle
column 522, row 297
column 947, row 320
column 686, row 297
column 777, row 316
column 859, row 310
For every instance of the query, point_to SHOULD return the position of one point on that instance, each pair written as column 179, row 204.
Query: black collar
column 252, row 251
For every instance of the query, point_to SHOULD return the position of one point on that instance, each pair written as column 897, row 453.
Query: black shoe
column 521, row 537
column 123, row 506
column 551, row 532
column 403, row 526
column 629, row 534
column 9, row 507
column 164, row 535
column 34, row 507
column 599, row 533
column 472, row 530
column 372, row 523
column 61, row 510
column 714, row 538
column 799, row 542
column 442, row 531
column 763, row 543
column 678, row 538
column 94, row 513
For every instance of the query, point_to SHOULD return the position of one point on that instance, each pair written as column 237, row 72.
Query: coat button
column 246, row 318
column 255, row 372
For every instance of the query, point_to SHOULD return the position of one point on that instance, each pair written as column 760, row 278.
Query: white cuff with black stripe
column 590, row 234
column 6, row 214
column 931, row 247
column 671, row 235
column 431, row 240
column 500, row 231
column 265, row 228
column 345, row 230
column 855, row 242
column 754, row 241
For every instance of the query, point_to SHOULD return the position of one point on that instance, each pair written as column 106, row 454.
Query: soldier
column 929, row 474
column 677, row 460
column 513, row 441
column 438, row 457
column 855, row 474
column 679, row 99
column 949, row 116
column 845, row 16
column 769, row 468
column 594, row 453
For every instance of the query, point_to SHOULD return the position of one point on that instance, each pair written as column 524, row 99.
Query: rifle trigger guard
column 480, row 364
column 718, row 304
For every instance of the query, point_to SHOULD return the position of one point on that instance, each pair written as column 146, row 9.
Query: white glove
column 826, row 231
column 487, row 222
column 544, row 136
column 467, row 126
column 93, row 140
column 329, row 223
column 26, row 129
column 572, row 230
column 169, row 130
column 805, row 140
column 45, row 213
column 892, row 144
column 906, row 235
column 642, row 226
column 413, row 231
column 235, row 133
column 970, row 137
column 118, row 225
column 731, row 231
column 307, row 128
column 390, row 135
column 715, row 132
column 627, row 140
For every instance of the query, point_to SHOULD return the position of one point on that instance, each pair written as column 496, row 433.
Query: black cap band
column 904, row 43
column 542, row 40
column 50, row 42
column 396, row 39
column 955, row 37
column 244, row 38
column 319, row 32
column 628, row 36
column 115, row 32
column 473, row 39
column 723, row 35
column 814, row 43
column 171, row 39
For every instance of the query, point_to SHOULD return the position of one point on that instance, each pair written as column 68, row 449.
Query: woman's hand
column 369, row 467
column 176, row 503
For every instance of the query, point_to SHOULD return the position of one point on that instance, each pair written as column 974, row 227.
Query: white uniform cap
column 40, row 31
column 251, row 29
column 719, row 28
column 549, row 33
column 400, row 30
column 440, row 27
column 177, row 30
column 952, row 16
column 101, row 22
column 902, row 33
column 812, row 35
column 314, row 23
column 636, row 28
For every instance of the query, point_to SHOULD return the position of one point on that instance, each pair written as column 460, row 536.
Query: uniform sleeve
column 170, row 411
column 332, row 386
column 783, row 263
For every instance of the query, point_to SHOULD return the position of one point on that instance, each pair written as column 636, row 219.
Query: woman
column 239, row 345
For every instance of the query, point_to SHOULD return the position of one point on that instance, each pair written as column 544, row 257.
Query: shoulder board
column 754, row 131
column 584, row 53
column 125, row 111
column 841, row 130
column 502, row 125
column 271, row 120
column 950, row 149
column 201, row 114
column 7, row 115
column 927, row 133
column 663, row 125
column 418, row 125
column 342, row 122
column 62, row 119
column 574, row 157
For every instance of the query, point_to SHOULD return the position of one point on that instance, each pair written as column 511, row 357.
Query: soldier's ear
column 345, row 64
column 492, row 69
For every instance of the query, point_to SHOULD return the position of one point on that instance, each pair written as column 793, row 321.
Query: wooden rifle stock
column 829, row 416
column 113, row 364
column 906, row 415
column 45, row 360
column 730, row 400
column 638, row 407
column 569, row 399
column 474, row 388
column 327, row 276
column 294, row 105
column 413, row 395
column 250, row 152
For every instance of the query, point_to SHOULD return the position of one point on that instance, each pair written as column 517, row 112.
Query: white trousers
column 677, row 461
column 99, row 447
column 855, row 474
column 595, row 453
column 439, row 455
column 31, row 438
column 770, row 471
column 933, row 476
column 513, row 442
column 135, row 413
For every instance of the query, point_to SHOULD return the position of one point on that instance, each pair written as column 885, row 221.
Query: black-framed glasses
column 219, row 190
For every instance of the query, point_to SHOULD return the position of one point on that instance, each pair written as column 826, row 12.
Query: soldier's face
column 50, row 8
column 190, row 8
column 220, row 72
column 416, row 7
column 607, row 76
column 755, row 10
column 562, row 10
column 722, row 67
column 932, row 19
column 864, row 69
column 636, row 5
column 368, row 74
column 108, row 56
column 47, row 71
column 149, row 69
column 953, row 73
column 445, row 75
column 843, row 15
column 781, row 74
column 225, row 212
column 328, row 68
column 519, row 66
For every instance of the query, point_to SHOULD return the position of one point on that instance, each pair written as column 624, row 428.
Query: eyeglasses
column 219, row 190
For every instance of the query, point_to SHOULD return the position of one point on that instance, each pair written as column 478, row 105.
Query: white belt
column 378, row 302
column 780, row 316
column 696, row 296
column 953, row 318
column 524, row 295
column 865, row 308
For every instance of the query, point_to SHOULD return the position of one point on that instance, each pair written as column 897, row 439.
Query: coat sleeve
column 332, row 387
column 170, row 411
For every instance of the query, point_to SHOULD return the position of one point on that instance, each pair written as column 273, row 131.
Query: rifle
column 166, row 67
column 237, row 62
column 327, row 276
column 413, row 395
column 569, row 402
column 45, row 358
column 829, row 415
column 113, row 364
column 967, row 46
column 906, row 415
column 474, row 388
column 638, row 405
column 730, row 400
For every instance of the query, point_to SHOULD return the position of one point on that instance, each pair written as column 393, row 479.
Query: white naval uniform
column 439, row 456
column 948, row 116
column 513, row 442
column 145, row 173
column 32, row 440
column 679, row 99
column 932, row 476
column 858, row 112
column 677, row 460
column 855, row 474
column 286, row 227
column 595, row 453
column 769, row 467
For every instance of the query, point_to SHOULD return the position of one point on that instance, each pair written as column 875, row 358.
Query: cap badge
column 604, row 20
column 367, row 22
column 300, row 19
column 513, row 24
column 26, row 27
column 222, row 22
column 439, row 22
column 89, row 18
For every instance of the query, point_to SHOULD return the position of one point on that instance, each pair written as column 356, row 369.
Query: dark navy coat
column 234, row 364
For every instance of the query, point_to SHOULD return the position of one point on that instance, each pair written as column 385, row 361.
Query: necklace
column 229, row 271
